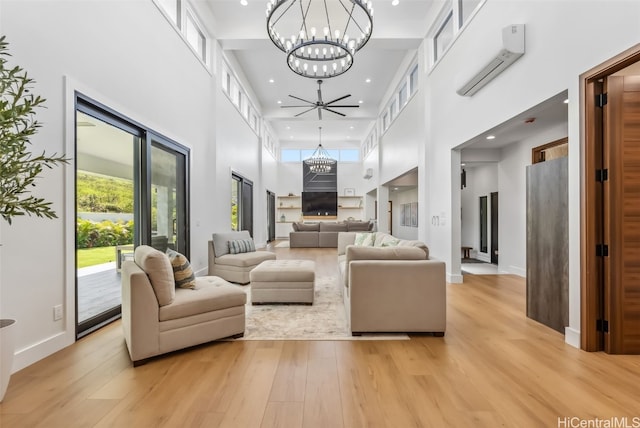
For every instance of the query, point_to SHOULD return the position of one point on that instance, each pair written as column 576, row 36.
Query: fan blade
column 338, row 99
column 300, row 99
column 295, row 106
column 306, row 111
column 346, row 105
column 333, row 111
column 319, row 114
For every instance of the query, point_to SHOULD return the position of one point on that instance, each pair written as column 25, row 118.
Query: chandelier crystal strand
column 320, row 37
column 320, row 161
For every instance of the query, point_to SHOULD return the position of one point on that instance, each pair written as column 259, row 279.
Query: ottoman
column 283, row 281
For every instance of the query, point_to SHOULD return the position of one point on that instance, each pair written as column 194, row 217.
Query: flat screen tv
column 320, row 203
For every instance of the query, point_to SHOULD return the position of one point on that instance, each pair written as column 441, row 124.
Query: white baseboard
column 518, row 271
column 454, row 278
column 36, row 352
column 202, row 272
column 572, row 337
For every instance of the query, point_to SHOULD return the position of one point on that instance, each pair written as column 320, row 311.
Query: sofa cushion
column 416, row 244
column 355, row 252
column 365, row 239
column 359, row 226
column 182, row 271
column 308, row 227
column 295, row 226
column 158, row 268
column 238, row 246
column 212, row 293
column 245, row 260
column 333, row 227
column 221, row 241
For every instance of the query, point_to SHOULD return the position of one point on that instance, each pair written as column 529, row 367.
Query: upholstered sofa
column 323, row 234
column 234, row 267
column 391, row 285
column 158, row 317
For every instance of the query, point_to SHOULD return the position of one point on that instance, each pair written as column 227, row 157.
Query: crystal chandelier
column 320, row 161
column 320, row 37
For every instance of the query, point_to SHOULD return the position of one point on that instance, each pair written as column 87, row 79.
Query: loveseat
column 234, row 267
column 160, row 317
column 323, row 234
column 391, row 285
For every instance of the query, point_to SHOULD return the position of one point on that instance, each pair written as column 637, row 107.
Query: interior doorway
column 494, row 228
column 610, row 232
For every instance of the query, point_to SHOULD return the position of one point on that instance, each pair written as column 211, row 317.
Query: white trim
column 431, row 61
column 37, row 351
column 179, row 28
column 515, row 270
column 572, row 337
column 454, row 278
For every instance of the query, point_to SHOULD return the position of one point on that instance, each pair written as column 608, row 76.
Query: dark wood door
column 494, row 228
column 622, row 215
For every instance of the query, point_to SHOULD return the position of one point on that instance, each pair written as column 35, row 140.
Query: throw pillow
column 389, row 241
column 182, row 271
column 241, row 246
column 365, row 239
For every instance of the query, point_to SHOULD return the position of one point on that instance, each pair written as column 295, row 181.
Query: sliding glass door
column 241, row 203
column 168, row 184
column 131, row 189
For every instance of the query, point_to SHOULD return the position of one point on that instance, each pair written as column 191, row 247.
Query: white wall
column 399, row 198
column 559, row 49
column 117, row 53
column 512, row 179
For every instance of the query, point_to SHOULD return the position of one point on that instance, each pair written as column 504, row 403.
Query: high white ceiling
column 397, row 33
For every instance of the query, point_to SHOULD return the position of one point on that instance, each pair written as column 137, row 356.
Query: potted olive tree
column 19, row 169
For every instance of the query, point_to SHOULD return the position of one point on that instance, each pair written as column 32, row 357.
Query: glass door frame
column 142, row 191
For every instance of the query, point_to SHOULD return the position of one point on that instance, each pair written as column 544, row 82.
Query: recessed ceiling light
column 368, row 80
column 360, row 102
column 566, row 101
column 288, row 127
column 351, row 127
column 490, row 137
column 244, row 2
column 395, row 2
column 279, row 102
column 271, row 80
column 462, row 164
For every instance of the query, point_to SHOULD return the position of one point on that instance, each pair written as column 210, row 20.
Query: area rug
column 324, row 320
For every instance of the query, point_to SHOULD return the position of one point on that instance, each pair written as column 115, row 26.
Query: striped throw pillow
column 182, row 272
column 241, row 246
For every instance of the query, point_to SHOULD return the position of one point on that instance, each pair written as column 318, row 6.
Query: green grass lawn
column 96, row 256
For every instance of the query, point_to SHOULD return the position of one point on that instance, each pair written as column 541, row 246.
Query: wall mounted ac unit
column 368, row 173
column 513, row 48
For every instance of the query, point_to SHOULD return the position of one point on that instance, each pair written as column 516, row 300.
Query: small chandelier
column 320, row 37
column 320, row 161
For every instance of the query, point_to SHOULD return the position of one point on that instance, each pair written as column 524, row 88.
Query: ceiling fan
column 321, row 105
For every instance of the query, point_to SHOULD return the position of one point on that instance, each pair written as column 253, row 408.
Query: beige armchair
column 158, row 318
column 234, row 267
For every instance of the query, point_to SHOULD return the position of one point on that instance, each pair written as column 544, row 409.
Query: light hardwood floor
column 494, row 367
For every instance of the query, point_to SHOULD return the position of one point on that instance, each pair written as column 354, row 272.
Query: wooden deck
column 98, row 292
